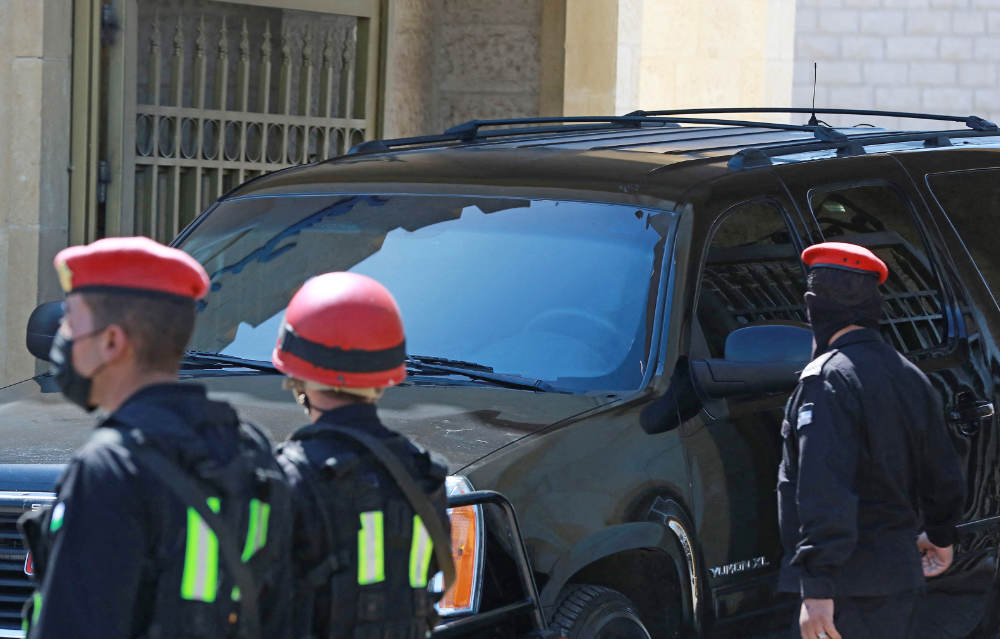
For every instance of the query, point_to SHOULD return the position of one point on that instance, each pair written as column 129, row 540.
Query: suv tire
column 596, row 612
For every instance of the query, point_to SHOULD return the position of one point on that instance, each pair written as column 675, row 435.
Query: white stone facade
column 35, row 44
column 446, row 61
column 938, row 56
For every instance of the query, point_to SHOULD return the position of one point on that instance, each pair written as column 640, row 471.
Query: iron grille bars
column 208, row 121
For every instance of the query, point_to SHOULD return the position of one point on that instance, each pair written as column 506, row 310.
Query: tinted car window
column 972, row 201
column 752, row 274
column 558, row 291
column 877, row 217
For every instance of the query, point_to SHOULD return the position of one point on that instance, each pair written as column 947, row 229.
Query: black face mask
column 827, row 316
column 74, row 386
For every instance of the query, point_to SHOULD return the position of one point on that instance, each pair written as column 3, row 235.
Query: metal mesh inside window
column 877, row 218
column 752, row 275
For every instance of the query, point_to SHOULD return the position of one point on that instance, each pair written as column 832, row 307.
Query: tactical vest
column 379, row 557
column 196, row 595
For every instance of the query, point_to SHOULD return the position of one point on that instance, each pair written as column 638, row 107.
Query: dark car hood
column 459, row 422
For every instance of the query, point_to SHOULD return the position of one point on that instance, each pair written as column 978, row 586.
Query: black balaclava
column 837, row 298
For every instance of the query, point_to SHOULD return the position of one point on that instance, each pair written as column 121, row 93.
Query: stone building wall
column 444, row 62
column 938, row 56
column 486, row 60
column 522, row 58
column 35, row 46
column 712, row 54
column 448, row 61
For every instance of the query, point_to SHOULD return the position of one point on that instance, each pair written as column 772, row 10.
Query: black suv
column 604, row 317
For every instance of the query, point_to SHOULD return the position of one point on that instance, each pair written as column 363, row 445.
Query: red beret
column 131, row 264
column 850, row 257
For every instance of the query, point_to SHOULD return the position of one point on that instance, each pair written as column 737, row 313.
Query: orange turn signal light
column 464, row 536
column 467, row 538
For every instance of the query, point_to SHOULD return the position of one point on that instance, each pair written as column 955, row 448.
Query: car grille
column 15, row 586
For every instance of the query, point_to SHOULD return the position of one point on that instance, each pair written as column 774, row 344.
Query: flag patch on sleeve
column 805, row 416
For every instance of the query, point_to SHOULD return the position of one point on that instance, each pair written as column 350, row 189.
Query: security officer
column 173, row 520
column 370, row 526
column 865, row 455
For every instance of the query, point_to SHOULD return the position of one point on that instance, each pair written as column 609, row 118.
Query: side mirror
column 678, row 404
column 765, row 358
column 42, row 327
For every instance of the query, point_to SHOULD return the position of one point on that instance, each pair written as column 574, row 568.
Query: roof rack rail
column 470, row 131
column 974, row 122
column 760, row 156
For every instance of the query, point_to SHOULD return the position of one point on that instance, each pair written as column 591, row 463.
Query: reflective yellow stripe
column 421, row 548
column 36, row 607
column 371, row 555
column 201, row 557
column 260, row 512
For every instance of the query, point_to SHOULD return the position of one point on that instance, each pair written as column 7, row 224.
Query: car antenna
column 813, row 121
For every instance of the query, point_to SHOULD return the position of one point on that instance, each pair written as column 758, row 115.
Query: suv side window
column 880, row 219
column 752, row 273
column 972, row 201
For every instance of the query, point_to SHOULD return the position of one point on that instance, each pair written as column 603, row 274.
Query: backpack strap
column 194, row 497
column 335, row 533
column 414, row 494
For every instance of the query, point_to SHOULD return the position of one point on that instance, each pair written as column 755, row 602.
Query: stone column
column 35, row 46
column 717, row 53
column 409, row 69
column 622, row 55
column 590, row 80
column 448, row 61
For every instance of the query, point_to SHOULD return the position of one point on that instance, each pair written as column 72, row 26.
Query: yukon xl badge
column 737, row 567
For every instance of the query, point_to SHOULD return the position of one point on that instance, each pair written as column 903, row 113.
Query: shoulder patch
column 815, row 367
column 58, row 512
column 805, row 416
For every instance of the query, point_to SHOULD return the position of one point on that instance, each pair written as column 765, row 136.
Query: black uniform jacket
column 867, row 464
column 311, row 544
column 119, row 525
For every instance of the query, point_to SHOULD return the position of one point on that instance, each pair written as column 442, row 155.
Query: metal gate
column 196, row 96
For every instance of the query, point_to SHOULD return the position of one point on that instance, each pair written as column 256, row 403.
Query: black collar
column 172, row 396
column 361, row 415
column 182, row 419
column 857, row 336
column 357, row 415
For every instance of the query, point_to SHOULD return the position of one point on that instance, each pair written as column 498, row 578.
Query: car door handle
column 970, row 416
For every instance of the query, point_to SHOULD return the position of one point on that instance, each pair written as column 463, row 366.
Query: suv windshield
column 551, row 290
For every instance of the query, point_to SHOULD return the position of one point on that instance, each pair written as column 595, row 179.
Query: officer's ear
column 116, row 344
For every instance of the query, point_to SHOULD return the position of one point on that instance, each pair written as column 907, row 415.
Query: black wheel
column 596, row 612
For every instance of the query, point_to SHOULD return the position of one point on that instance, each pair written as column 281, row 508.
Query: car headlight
column 467, row 552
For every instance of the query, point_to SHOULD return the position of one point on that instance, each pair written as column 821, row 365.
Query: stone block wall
column 35, row 73
column 668, row 54
column 938, row 56
column 717, row 53
column 486, row 60
column 449, row 61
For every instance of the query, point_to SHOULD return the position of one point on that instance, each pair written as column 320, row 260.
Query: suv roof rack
column 974, row 122
column 470, row 131
column 826, row 137
column 760, row 156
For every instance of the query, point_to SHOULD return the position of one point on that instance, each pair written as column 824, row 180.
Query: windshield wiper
column 416, row 363
column 443, row 361
column 217, row 360
column 429, row 364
